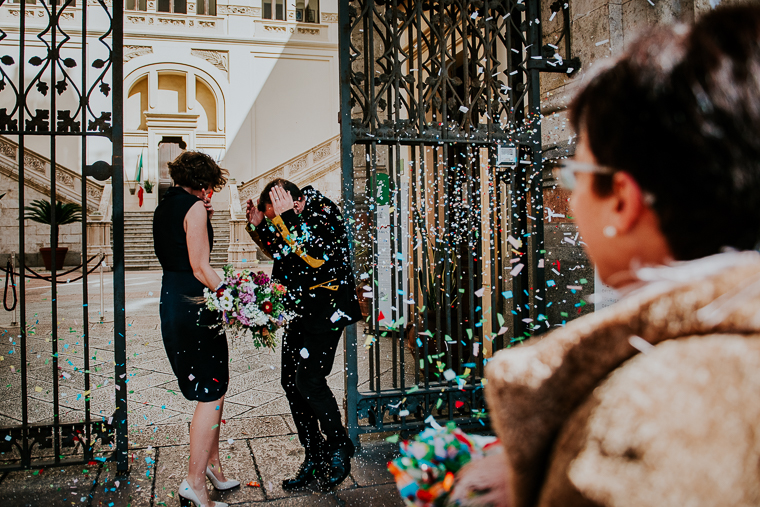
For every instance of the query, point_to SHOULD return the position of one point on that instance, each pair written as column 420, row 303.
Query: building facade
column 252, row 83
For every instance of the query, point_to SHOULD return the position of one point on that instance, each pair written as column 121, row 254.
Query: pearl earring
column 610, row 231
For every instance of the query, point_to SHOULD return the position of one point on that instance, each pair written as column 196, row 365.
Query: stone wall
column 600, row 30
column 36, row 235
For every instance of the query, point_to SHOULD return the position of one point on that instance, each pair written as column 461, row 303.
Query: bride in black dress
column 197, row 351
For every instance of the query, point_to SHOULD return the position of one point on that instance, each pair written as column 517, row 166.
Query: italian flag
column 138, row 177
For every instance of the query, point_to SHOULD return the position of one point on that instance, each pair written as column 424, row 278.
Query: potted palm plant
column 41, row 211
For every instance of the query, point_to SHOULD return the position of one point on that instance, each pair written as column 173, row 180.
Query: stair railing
column 319, row 166
column 37, row 175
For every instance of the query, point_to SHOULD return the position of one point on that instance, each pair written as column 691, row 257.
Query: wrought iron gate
column 442, row 185
column 61, row 99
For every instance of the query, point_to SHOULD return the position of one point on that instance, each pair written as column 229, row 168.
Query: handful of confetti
column 426, row 471
column 250, row 302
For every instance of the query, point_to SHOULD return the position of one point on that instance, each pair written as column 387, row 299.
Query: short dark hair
column 198, row 171
column 680, row 112
column 288, row 186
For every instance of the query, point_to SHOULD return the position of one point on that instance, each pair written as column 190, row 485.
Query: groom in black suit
column 304, row 232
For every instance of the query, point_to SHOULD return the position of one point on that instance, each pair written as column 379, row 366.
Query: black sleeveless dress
column 196, row 350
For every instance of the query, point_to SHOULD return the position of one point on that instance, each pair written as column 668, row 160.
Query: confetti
column 517, row 243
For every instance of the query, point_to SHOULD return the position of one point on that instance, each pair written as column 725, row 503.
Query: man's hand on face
column 253, row 214
column 282, row 201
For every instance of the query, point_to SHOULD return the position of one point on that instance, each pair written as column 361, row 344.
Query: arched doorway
column 170, row 107
column 169, row 148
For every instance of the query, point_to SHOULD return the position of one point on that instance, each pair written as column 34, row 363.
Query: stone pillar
column 99, row 238
column 241, row 246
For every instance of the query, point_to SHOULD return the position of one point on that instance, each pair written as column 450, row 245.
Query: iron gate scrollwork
column 447, row 234
column 61, row 100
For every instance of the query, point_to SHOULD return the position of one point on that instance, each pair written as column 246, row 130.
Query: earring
column 610, row 231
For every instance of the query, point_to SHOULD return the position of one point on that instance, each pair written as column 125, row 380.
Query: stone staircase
column 221, row 224
column 138, row 240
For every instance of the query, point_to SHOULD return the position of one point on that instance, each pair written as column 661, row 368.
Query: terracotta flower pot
column 364, row 303
column 47, row 257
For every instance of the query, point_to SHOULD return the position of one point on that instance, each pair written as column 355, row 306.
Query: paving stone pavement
column 257, row 438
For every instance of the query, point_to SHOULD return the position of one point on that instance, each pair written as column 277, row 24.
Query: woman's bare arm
column 198, row 247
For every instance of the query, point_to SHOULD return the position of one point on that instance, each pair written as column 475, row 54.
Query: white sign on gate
column 392, row 308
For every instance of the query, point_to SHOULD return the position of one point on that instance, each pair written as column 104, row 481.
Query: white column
column 190, row 91
column 152, row 90
column 150, row 161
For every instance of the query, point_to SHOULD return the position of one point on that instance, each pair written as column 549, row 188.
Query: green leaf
column 41, row 211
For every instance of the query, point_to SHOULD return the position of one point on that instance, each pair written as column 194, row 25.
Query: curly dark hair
column 198, row 171
column 680, row 113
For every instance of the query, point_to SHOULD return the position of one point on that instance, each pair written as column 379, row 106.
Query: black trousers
column 305, row 382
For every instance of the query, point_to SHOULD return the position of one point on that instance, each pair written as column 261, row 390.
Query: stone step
column 138, row 240
column 218, row 231
column 143, row 238
column 219, row 216
column 142, row 257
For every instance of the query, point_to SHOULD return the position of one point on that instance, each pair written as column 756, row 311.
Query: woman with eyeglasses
column 652, row 401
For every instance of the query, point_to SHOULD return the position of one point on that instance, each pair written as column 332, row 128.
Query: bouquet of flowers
column 429, row 466
column 250, row 302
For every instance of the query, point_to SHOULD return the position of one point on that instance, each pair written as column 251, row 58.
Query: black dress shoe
column 338, row 466
column 310, row 470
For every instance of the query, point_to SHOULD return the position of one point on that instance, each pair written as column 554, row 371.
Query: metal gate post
column 347, row 179
column 536, row 189
column 120, row 340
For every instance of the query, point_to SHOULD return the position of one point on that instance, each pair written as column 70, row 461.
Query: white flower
column 226, row 301
column 258, row 317
column 248, row 310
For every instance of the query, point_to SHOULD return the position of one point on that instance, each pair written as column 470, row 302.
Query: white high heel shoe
column 188, row 498
column 221, row 486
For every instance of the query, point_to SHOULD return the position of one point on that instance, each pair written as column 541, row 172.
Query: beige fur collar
column 532, row 389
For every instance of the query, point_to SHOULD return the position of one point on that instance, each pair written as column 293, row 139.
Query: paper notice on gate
column 517, row 243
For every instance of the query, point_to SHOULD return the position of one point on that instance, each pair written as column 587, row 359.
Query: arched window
column 136, row 105
column 206, row 106
column 188, row 93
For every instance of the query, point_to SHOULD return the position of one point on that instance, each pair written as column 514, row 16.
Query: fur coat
column 654, row 401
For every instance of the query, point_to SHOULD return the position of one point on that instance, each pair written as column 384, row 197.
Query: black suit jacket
column 311, row 258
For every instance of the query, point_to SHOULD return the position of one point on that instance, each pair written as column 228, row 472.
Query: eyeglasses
column 565, row 173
